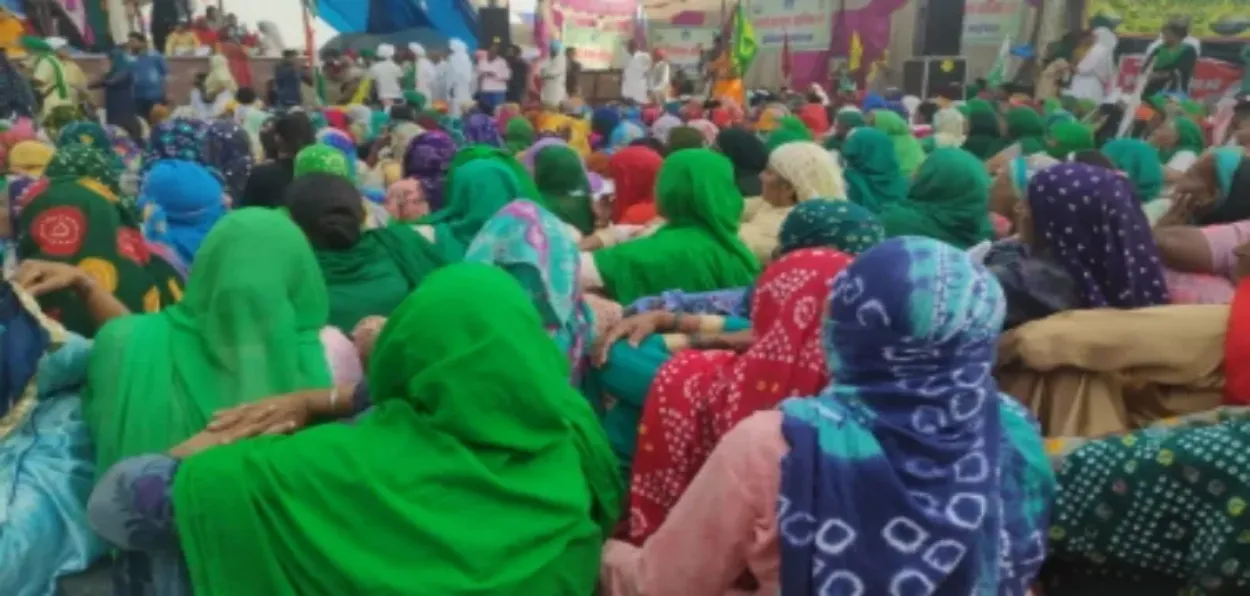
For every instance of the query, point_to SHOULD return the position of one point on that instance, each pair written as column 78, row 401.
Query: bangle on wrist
column 334, row 398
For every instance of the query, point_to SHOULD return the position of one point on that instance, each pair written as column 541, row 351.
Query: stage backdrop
column 597, row 28
column 808, row 23
column 683, row 45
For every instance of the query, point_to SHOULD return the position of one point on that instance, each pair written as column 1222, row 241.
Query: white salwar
column 459, row 77
column 659, row 80
column 427, row 73
column 634, row 77
column 553, row 74
column 1095, row 72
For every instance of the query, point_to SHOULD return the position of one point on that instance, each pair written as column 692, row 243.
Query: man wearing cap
column 387, row 76
column 426, row 72
column 49, row 73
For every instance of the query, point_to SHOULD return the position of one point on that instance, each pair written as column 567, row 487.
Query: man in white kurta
column 659, row 80
column 426, row 73
column 387, row 76
column 459, row 77
column 634, row 76
column 553, row 75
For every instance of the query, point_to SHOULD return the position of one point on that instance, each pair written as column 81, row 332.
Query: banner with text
column 988, row 22
column 809, row 23
column 683, row 45
column 600, row 43
column 1211, row 77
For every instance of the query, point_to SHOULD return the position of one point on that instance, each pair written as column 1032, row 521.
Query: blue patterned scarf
column 23, row 342
column 909, row 474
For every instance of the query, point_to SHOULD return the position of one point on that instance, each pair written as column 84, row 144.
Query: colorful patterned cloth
column 699, row 395
column 918, row 473
column 1161, row 510
column 228, row 153
column 821, row 223
column 427, row 159
column 480, row 129
column 179, row 138
column 1091, row 222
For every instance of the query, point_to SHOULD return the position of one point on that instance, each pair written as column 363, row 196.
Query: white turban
column 386, row 51
column 56, row 43
column 417, row 49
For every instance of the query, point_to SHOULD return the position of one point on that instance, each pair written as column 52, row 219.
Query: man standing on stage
column 660, row 78
column 634, row 76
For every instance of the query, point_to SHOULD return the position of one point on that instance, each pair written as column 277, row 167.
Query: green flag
column 745, row 46
column 998, row 74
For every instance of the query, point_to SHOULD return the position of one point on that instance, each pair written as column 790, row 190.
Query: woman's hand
column 634, row 329
column 273, row 416
column 44, row 277
column 197, row 443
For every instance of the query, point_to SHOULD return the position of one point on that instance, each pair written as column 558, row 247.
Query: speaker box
column 942, row 34
column 493, row 27
column 935, row 75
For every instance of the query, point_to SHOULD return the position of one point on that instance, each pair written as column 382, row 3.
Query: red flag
column 785, row 59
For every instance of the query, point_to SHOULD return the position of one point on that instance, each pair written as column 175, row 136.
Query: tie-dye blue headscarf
column 910, row 473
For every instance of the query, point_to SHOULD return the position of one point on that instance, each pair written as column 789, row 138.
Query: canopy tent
column 448, row 18
column 432, row 40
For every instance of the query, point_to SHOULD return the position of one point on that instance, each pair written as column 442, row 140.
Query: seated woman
column 447, row 384
column 565, row 188
column 426, row 160
column 697, row 249
column 1180, row 143
column 749, row 157
column 873, row 178
column 796, row 172
column 633, row 171
column 1026, row 128
column 180, row 202
column 872, row 439
column 367, row 272
column 1012, row 181
column 817, row 223
column 985, row 130
column 77, row 217
column 663, row 435
column 1208, row 221
column 478, row 191
column 1083, row 242
column 950, row 129
column 948, row 201
column 46, row 471
column 228, row 153
column 1140, row 163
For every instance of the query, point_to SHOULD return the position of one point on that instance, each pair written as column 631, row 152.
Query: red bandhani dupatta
column 1237, row 348
column 699, row 395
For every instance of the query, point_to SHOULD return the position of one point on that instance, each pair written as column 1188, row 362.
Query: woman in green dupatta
column 909, row 152
column 1180, row 142
column 323, row 159
column 948, row 201
column 789, row 130
column 844, row 124
column 78, row 218
column 1026, row 127
column 985, row 131
column 561, row 179
column 697, row 249
column 480, row 189
column 481, row 391
column 1067, row 138
column 873, row 178
column 1140, row 162
column 1174, row 62
column 472, row 153
column 368, row 272
column 518, row 134
column 247, row 328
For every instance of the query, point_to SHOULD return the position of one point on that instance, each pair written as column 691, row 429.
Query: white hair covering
column 810, row 169
column 417, row 49
column 386, row 51
column 949, row 129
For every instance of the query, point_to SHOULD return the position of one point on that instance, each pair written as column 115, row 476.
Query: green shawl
column 247, row 328
column 1067, row 138
column 1026, row 127
column 949, row 201
column 481, row 188
column 685, row 137
column 1189, row 137
column 907, row 149
column 562, row 181
column 480, row 470
column 873, row 179
column 698, row 248
column 845, row 122
column 1140, row 162
column 1167, row 56
column 518, row 135
column 985, row 135
column 789, row 130
column 375, row 275
column 485, row 152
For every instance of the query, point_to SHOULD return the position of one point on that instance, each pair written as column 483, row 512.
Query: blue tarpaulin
column 451, row 18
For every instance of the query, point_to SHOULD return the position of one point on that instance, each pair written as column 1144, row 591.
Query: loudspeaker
column 935, row 76
column 493, row 28
column 943, row 28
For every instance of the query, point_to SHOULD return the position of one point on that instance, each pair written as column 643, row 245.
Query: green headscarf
column 1140, row 162
column 949, row 201
column 685, row 137
column 873, row 179
column 44, row 53
column 482, row 393
column 481, row 188
column 82, row 161
column 985, row 136
column 415, row 99
column 1067, row 138
column 562, row 180
column 529, row 190
column 844, row 123
column 1189, row 137
column 909, row 152
column 375, row 275
column 1025, row 126
column 840, row 225
column 322, row 159
column 247, row 328
column 518, row 135
column 698, row 248
column 84, row 132
column 789, row 130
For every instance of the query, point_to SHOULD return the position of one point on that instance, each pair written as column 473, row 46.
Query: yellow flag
column 855, row 55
